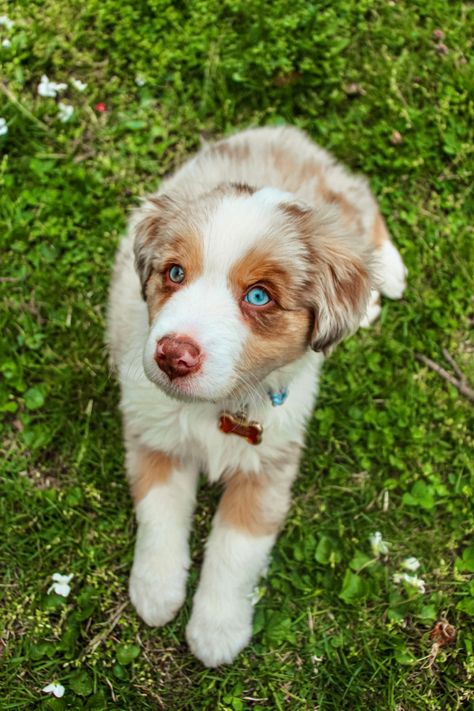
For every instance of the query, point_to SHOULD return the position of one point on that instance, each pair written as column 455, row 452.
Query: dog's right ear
column 148, row 224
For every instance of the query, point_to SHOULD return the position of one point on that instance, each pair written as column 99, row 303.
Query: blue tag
column 279, row 397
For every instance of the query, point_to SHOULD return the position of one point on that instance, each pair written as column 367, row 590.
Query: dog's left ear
column 338, row 279
column 340, row 286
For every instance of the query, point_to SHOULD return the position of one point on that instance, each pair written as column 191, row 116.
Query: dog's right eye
column 176, row 273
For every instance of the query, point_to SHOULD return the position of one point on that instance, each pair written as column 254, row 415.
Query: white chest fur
column 191, row 431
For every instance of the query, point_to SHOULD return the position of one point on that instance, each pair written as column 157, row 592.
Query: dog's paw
column 391, row 271
column 157, row 590
column 373, row 309
column 216, row 633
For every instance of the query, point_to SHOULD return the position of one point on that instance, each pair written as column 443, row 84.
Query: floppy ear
column 148, row 224
column 340, row 291
column 338, row 278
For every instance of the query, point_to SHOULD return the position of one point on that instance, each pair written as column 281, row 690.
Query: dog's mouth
column 186, row 388
column 190, row 389
column 178, row 388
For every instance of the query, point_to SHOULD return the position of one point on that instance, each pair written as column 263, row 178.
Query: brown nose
column 177, row 356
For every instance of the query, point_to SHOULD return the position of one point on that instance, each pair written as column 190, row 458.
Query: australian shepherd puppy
column 235, row 280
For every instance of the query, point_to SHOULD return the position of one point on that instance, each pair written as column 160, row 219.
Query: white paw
column 373, row 309
column 158, row 587
column 391, row 272
column 219, row 629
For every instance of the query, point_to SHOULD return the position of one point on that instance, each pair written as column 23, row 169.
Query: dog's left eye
column 176, row 273
column 257, row 296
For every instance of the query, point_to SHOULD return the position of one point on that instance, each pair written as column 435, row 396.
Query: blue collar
column 279, row 397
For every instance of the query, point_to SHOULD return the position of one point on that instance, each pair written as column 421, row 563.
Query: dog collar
column 239, row 423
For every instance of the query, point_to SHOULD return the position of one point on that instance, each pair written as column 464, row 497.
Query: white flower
column 6, row 22
column 61, row 584
column 54, row 688
column 139, row 80
column 378, row 545
column 49, row 88
column 412, row 580
column 65, row 111
column 411, row 564
column 256, row 595
column 6, row 43
column 78, row 84
column 3, row 127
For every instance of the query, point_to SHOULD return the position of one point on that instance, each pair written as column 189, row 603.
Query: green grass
column 390, row 444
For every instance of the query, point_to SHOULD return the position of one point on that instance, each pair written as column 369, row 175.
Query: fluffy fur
column 268, row 207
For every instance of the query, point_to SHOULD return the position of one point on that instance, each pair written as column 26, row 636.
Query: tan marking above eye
column 184, row 250
column 257, row 268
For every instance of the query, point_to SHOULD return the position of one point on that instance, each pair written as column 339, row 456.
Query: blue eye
column 176, row 273
column 257, row 296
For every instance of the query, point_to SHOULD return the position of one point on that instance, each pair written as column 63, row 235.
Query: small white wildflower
column 256, row 595
column 78, row 84
column 3, row 127
column 56, row 689
column 61, row 584
column 378, row 545
column 411, row 564
column 65, row 111
column 49, row 88
column 139, row 80
column 6, row 22
column 417, row 583
column 412, row 580
column 6, row 43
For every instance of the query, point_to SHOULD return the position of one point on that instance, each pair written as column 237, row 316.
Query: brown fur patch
column 288, row 340
column 231, row 149
column 152, row 469
column 185, row 250
column 279, row 331
column 242, row 188
column 259, row 267
column 242, row 504
column 339, row 281
column 348, row 213
column 379, row 233
column 352, row 290
column 306, row 171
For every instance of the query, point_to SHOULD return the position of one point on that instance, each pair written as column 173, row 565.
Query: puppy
column 251, row 262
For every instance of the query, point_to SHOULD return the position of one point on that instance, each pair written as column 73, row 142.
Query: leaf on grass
column 354, row 587
column 81, row 683
column 126, row 653
column 278, row 628
column 466, row 562
column 421, row 495
column 360, row 560
column 327, row 551
column 466, row 605
column 404, row 656
column 34, row 398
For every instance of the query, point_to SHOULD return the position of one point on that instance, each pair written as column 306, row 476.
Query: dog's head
column 239, row 283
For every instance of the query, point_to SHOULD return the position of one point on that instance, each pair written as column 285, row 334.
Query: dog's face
column 238, row 284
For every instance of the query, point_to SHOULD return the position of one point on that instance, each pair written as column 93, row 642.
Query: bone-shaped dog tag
column 235, row 424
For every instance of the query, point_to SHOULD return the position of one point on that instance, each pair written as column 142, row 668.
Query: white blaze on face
column 205, row 311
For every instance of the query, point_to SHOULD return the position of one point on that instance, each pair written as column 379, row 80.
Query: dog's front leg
column 244, row 530
column 164, row 491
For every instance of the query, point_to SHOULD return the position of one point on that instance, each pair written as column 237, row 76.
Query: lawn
column 388, row 87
